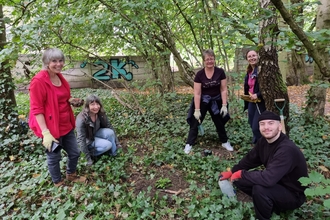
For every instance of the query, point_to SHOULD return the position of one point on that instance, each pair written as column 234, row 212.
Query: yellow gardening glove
column 197, row 115
column 224, row 110
column 47, row 140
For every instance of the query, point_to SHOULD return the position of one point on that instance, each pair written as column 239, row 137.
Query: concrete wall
column 79, row 73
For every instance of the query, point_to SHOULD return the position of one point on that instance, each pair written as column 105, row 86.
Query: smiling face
column 55, row 66
column 209, row 61
column 252, row 58
column 270, row 129
column 94, row 107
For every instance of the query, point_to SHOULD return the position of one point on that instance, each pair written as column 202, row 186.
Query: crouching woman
column 95, row 134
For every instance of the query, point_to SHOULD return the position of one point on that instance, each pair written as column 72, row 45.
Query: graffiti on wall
column 114, row 70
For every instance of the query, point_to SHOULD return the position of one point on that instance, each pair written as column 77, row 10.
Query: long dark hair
column 90, row 99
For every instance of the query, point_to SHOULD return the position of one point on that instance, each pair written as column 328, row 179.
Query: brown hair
column 249, row 67
column 208, row 52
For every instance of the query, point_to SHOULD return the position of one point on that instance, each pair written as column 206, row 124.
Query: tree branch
column 311, row 49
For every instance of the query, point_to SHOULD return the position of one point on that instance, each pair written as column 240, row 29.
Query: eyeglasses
column 209, row 59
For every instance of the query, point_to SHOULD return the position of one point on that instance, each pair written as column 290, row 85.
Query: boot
column 74, row 178
column 61, row 183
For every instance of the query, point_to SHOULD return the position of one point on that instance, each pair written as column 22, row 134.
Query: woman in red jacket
column 51, row 117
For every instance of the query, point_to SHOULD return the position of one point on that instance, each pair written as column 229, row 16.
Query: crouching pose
column 275, row 188
column 95, row 134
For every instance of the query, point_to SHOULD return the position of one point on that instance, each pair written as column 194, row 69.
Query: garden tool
column 201, row 130
column 281, row 112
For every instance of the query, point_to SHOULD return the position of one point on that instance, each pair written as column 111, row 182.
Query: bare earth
column 179, row 185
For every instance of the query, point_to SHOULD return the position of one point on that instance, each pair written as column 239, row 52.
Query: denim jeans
column 104, row 141
column 68, row 143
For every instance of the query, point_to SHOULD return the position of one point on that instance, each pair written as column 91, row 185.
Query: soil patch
column 141, row 182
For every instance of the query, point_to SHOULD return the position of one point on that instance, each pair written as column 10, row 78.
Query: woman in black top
column 210, row 95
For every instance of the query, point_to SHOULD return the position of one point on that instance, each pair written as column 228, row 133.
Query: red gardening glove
column 225, row 175
column 237, row 175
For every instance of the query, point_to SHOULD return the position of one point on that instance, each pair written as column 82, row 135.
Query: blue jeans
column 104, row 141
column 68, row 143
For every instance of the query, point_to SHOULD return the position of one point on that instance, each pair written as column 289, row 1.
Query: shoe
column 187, row 148
column 74, row 178
column 61, row 183
column 89, row 162
column 227, row 146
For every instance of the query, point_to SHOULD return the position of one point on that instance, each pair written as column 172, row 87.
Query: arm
column 249, row 161
column 81, row 134
column 197, row 95
column 224, row 91
column 278, row 166
column 41, row 121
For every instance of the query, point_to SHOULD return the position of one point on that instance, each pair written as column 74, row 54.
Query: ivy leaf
column 316, row 177
column 326, row 203
column 81, row 216
column 305, row 181
column 61, row 215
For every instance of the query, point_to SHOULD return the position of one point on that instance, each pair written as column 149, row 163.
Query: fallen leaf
column 324, row 169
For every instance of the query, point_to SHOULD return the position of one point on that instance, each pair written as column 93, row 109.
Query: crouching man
column 276, row 187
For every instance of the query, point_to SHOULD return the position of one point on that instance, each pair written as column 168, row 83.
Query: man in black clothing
column 275, row 188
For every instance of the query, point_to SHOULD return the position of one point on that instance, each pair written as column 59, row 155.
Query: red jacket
column 44, row 101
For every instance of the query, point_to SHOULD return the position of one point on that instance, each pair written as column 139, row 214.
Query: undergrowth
column 26, row 190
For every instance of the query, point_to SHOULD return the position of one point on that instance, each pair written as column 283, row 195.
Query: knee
column 53, row 158
column 108, row 132
column 258, row 190
column 74, row 153
column 109, row 146
column 111, row 133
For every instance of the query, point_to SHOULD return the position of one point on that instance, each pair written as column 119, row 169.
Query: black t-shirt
column 211, row 86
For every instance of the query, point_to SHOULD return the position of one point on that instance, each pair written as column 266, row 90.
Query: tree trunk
column 316, row 101
column 8, row 116
column 163, row 73
column 298, row 73
column 270, row 79
column 316, row 92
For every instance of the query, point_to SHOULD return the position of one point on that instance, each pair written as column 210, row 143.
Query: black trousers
column 267, row 200
column 254, row 114
column 217, row 120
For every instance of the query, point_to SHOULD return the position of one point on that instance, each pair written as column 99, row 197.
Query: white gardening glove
column 48, row 140
column 224, row 110
column 197, row 114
